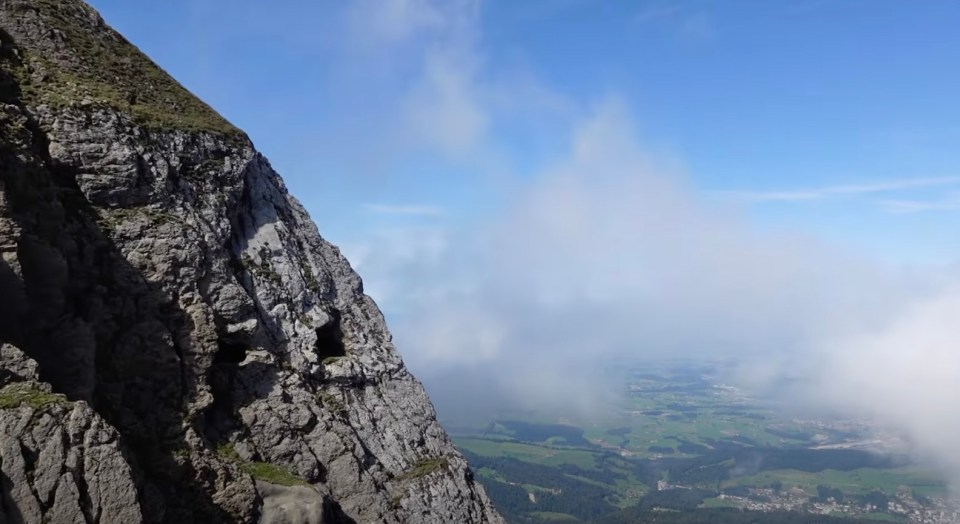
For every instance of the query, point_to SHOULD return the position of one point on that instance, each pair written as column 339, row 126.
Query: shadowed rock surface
column 179, row 343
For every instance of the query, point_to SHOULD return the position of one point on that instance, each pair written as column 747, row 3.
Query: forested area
column 560, row 493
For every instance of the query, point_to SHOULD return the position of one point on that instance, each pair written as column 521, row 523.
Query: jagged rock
column 17, row 367
column 221, row 360
column 61, row 462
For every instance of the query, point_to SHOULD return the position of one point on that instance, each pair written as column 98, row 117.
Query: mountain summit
column 178, row 342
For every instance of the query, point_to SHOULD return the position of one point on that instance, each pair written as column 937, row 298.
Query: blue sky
column 752, row 97
column 535, row 191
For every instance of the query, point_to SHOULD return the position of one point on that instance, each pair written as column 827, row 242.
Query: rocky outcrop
column 208, row 357
column 61, row 462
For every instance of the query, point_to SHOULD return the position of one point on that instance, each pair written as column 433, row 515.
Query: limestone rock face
column 179, row 343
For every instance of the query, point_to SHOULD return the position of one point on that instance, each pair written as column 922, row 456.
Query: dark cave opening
column 230, row 352
column 330, row 338
column 221, row 377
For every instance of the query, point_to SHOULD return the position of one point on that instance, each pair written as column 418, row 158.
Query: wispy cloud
column 372, row 23
column 768, row 196
column 841, row 190
column 409, row 210
column 904, row 206
column 893, row 185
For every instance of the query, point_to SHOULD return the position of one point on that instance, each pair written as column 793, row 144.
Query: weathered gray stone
column 17, row 366
column 290, row 504
column 60, row 461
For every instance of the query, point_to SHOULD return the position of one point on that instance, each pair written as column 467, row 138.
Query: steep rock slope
column 180, row 344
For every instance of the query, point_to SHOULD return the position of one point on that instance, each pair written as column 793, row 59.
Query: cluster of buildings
column 934, row 510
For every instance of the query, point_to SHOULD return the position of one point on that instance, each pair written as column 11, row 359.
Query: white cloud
column 609, row 257
column 375, row 24
column 903, row 205
column 412, row 74
column 904, row 374
column 893, row 185
column 444, row 108
column 770, row 196
column 415, row 252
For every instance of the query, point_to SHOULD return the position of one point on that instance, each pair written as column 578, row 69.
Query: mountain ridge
column 77, row 59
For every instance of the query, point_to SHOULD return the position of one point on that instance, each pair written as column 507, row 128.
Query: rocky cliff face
column 179, row 344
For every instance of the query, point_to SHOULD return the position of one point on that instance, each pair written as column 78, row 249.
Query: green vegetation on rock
column 228, row 451
column 23, row 394
column 425, row 467
column 272, row 473
column 98, row 67
column 260, row 470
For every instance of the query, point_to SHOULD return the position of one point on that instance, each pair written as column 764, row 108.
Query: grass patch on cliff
column 272, row 473
column 424, row 467
column 102, row 67
column 16, row 395
column 228, row 451
column 260, row 470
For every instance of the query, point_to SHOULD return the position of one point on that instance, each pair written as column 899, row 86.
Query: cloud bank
column 605, row 259
column 903, row 374
column 605, row 255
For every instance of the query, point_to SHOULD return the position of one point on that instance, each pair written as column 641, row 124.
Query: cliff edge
column 179, row 344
